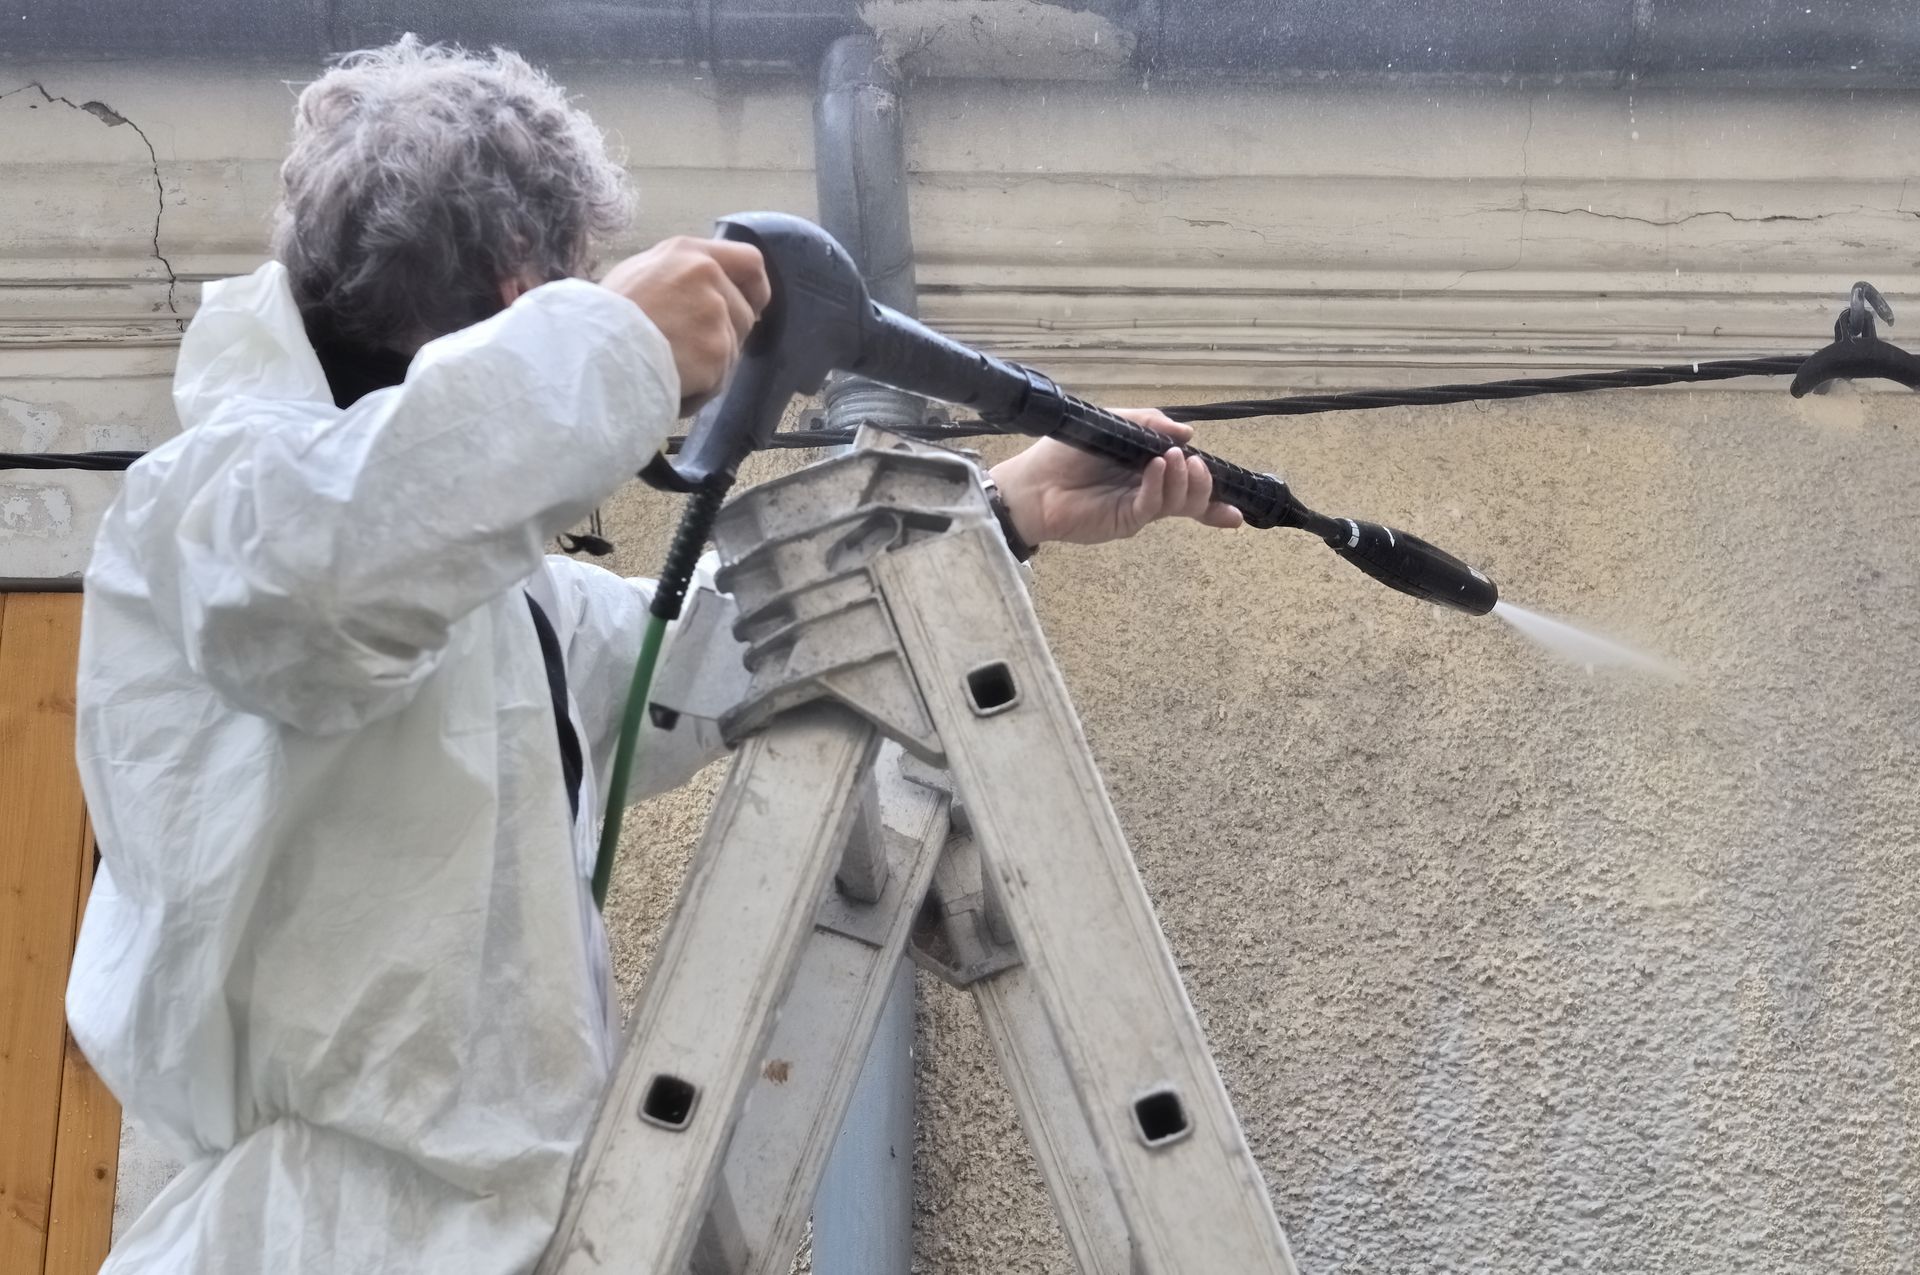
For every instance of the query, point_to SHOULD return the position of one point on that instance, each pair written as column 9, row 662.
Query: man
column 343, row 724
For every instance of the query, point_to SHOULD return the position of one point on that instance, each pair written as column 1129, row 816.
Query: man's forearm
column 307, row 560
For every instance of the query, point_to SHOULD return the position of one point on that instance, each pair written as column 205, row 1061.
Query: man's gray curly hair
column 421, row 177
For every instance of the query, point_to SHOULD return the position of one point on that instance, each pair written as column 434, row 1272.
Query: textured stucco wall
column 1509, row 967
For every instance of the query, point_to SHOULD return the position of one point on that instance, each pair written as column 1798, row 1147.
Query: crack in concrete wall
column 1692, row 216
column 113, row 119
column 1525, row 209
column 1526, row 175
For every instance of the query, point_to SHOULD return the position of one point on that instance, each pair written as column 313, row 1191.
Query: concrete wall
column 1507, row 967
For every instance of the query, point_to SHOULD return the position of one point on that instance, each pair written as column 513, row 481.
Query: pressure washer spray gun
column 821, row 320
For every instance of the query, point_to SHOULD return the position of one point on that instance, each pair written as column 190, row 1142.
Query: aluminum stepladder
column 910, row 770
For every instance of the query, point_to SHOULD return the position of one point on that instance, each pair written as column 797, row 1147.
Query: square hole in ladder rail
column 991, row 689
column 1160, row 1117
column 669, row 1102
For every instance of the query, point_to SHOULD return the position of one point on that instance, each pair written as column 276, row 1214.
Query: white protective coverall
column 341, row 952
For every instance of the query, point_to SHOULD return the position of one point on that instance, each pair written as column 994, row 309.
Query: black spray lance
column 821, row 320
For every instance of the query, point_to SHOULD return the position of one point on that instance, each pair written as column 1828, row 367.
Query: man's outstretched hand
column 1058, row 492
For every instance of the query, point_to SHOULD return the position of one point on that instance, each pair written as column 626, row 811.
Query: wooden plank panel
column 87, row 1150
column 42, row 828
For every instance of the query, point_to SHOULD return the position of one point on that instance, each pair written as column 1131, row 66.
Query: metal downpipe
column 863, row 1211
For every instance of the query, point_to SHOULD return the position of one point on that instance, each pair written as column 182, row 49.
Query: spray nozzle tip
column 1409, row 564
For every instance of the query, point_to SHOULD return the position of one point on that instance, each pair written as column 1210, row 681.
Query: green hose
column 623, row 754
column 669, row 592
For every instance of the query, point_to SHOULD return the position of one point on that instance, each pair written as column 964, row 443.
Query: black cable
column 1293, row 405
column 1368, row 400
column 68, row 460
column 1526, row 387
